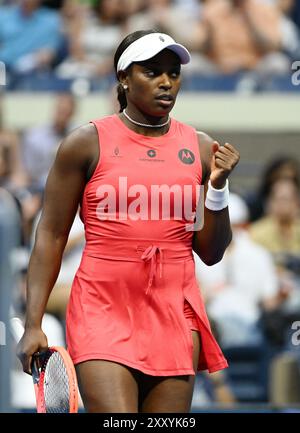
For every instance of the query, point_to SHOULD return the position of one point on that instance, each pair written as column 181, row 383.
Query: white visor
column 148, row 46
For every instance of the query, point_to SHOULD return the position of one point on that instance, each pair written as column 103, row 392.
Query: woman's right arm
column 64, row 189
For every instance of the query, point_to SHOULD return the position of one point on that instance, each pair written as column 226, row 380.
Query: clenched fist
column 223, row 161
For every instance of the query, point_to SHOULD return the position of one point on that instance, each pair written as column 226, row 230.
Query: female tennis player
column 137, row 330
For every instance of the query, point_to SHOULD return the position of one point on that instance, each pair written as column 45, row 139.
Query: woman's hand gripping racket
column 53, row 375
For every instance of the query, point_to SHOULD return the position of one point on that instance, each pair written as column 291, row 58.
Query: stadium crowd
column 68, row 44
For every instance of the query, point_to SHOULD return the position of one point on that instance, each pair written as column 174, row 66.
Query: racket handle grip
column 35, row 370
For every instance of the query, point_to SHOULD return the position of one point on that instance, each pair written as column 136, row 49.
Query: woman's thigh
column 107, row 386
column 170, row 394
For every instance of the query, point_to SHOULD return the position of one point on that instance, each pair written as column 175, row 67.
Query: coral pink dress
column 135, row 298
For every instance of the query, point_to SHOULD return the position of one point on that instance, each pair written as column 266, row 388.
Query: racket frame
column 38, row 377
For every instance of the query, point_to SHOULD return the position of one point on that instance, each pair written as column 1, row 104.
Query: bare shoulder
column 80, row 147
column 205, row 149
column 204, row 139
column 67, row 178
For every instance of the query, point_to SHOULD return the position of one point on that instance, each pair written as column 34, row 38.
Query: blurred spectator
column 282, row 167
column 167, row 16
column 257, row 47
column 279, row 232
column 12, row 173
column 14, row 179
column 71, row 12
column 239, row 287
column 94, row 39
column 40, row 143
column 284, row 383
column 30, row 37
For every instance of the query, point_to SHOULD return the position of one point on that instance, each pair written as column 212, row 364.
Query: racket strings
column 56, row 385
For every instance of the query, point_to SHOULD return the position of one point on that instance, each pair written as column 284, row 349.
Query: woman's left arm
column 210, row 242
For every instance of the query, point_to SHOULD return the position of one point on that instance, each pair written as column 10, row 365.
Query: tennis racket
column 54, row 377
